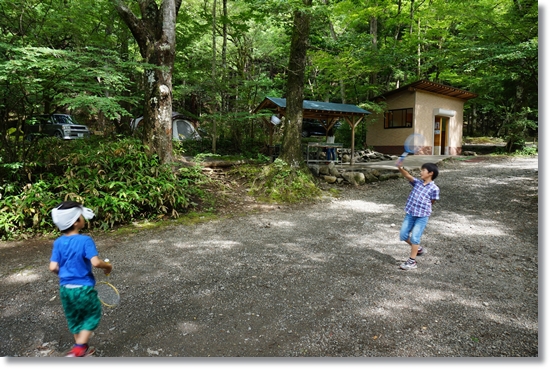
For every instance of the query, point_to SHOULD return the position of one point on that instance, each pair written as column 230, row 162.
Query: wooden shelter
column 327, row 113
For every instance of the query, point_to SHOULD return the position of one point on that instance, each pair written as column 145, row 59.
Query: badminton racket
column 107, row 293
column 412, row 145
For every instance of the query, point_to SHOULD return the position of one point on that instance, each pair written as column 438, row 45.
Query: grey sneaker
column 409, row 264
column 421, row 251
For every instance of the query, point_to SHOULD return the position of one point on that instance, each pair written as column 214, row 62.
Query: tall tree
column 155, row 34
column 291, row 150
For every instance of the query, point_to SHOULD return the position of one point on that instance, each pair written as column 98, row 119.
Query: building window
column 399, row 118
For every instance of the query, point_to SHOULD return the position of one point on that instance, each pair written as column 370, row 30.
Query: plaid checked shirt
column 419, row 203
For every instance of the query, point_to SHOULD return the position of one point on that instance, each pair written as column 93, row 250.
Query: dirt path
column 317, row 280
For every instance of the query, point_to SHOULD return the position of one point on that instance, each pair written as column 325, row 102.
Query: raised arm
column 405, row 174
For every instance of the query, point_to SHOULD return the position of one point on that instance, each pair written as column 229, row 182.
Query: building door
column 444, row 149
column 442, row 130
column 440, row 135
column 437, row 136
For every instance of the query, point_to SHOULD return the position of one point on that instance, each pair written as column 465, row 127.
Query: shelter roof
column 433, row 87
column 313, row 109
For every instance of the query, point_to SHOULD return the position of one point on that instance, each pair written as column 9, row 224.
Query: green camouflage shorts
column 82, row 308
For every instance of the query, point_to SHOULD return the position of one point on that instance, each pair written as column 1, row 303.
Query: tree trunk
column 214, row 76
column 374, row 48
column 419, row 50
column 155, row 34
column 291, row 150
column 224, row 38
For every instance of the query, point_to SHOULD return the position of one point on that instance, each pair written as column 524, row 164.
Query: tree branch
column 136, row 25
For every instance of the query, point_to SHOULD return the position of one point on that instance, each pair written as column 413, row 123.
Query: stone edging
column 332, row 175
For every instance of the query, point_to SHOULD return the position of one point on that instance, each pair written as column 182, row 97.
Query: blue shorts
column 412, row 228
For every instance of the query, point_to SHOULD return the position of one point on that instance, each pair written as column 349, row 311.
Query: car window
column 62, row 119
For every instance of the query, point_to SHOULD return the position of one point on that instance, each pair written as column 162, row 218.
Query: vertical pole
column 271, row 129
column 352, row 159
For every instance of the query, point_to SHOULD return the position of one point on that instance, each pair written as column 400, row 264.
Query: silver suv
column 62, row 126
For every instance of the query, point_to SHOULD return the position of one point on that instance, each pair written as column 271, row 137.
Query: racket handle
column 107, row 261
column 400, row 161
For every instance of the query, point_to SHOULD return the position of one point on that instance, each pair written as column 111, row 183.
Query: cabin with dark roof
column 431, row 109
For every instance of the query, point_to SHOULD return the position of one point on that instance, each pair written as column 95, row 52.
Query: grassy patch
column 467, row 140
column 278, row 182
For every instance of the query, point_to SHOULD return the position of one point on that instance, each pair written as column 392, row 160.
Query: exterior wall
column 425, row 104
column 390, row 141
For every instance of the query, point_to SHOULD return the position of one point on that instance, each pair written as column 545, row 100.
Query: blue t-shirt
column 73, row 254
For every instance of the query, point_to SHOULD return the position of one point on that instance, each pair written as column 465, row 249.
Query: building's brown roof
column 433, row 87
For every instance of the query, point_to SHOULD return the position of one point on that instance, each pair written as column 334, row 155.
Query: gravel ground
column 314, row 280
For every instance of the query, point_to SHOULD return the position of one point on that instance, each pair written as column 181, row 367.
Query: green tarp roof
column 320, row 105
column 316, row 109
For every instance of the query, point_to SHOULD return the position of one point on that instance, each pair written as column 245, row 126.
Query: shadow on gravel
column 314, row 282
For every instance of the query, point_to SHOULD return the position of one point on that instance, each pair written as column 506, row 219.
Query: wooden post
column 270, row 149
column 351, row 159
column 353, row 125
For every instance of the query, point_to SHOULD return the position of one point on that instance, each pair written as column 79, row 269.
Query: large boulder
column 355, row 178
column 314, row 170
column 369, row 177
column 330, row 179
column 323, row 170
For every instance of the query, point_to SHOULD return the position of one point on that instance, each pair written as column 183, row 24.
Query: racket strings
column 414, row 143
column 107, row 294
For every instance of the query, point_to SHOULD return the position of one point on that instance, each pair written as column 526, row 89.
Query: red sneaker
column 77, row 351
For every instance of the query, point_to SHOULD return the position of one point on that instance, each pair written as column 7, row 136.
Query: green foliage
column 532, row 150
column 79, row 56
column 528, row 151
column 481, row 140
column 88, row 78
column 118, row 180
column 279, row 182
column 191, row 147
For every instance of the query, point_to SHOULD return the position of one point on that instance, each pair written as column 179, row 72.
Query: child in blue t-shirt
column 73, row 256
column 418, row 210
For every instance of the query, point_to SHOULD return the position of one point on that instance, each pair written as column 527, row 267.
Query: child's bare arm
column 98, row 263
column 405, row 174
column 54, row 267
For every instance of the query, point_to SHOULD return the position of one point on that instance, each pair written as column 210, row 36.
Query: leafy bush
column 247, row 147
column 279, row 182
column 118, row 180
column 481, row 140
column 525, row 151
column 528, row 151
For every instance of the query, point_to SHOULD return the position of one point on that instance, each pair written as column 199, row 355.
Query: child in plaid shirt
column 418, row 210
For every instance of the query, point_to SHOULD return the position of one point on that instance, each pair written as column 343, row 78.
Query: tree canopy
column 81, row 57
